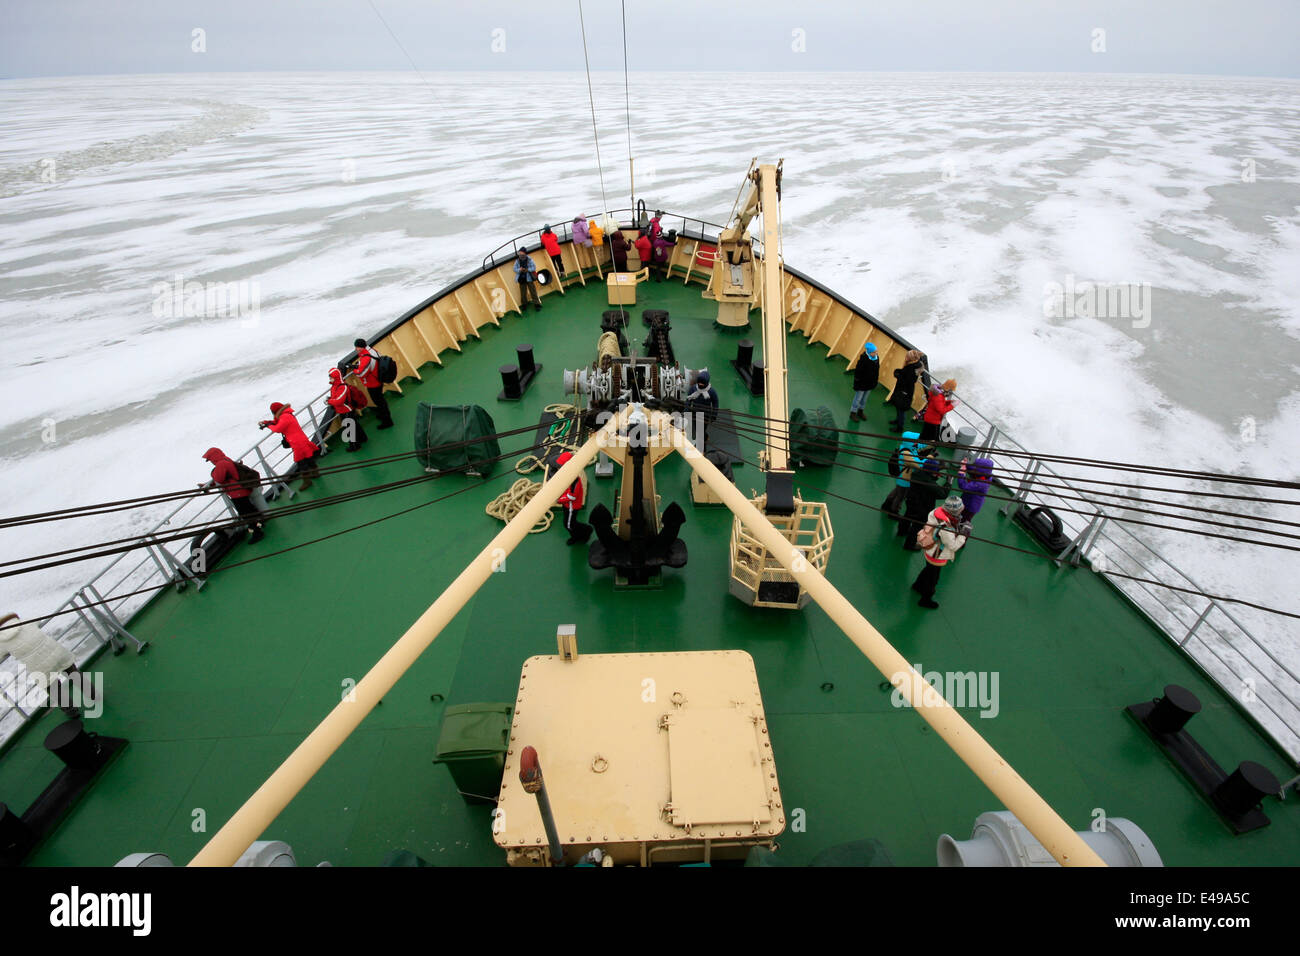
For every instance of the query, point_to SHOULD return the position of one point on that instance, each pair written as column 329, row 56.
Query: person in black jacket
column 866, row 375
column 904, row 387
column 922, row 494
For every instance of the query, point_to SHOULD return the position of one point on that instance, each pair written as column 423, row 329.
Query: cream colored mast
column 776, row 400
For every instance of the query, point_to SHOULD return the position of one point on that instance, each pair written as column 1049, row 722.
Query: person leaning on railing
column 526, row 276
column 284, row 423
column 368, row 371
column 237, row 489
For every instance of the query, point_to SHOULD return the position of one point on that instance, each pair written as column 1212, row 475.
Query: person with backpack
column 236, row 482
column 619, row 247
column 904, row 460
column 939, row 402
column 305, row 451
column 342, row 399
column 367, row 368
column 924, row 490
column 866, row 375
column 941, row 537
column 526, row 276
column 552, row 246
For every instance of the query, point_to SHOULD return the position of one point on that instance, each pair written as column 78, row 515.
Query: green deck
column 239, row 673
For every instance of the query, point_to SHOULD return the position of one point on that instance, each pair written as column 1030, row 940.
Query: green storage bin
column 473, row 746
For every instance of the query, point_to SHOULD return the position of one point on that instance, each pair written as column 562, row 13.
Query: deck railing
column 96, row 615
column 1264, row 688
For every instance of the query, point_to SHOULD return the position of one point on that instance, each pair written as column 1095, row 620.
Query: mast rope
column 591, row 98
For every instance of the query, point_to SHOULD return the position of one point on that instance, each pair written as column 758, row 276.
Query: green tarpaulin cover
column 438, row 426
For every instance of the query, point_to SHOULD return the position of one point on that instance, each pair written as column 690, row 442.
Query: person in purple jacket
column 662, row 247
column 581, row 234
column 974, row 485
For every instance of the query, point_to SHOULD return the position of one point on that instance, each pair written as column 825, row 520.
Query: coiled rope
column 560, row 435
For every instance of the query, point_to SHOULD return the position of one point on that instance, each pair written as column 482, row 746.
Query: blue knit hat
column 869, row 349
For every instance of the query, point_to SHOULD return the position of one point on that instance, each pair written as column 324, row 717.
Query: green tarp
column 445, row 438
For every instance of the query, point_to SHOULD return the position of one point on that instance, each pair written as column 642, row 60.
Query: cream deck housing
column 653, row 758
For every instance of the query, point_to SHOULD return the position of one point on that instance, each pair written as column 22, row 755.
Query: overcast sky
column 1235, row 37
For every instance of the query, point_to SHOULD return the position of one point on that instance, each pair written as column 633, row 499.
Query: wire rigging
column 591, row 97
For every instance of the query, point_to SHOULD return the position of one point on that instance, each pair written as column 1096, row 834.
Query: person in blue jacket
column 909, row 459
column 526, row 276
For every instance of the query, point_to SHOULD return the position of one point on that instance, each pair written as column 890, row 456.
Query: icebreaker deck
column 240, row 672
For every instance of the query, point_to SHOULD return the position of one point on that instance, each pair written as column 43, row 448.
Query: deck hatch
column 716, row 768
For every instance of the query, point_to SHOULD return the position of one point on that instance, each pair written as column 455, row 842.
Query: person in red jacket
column 643, row 248
column 283, row 422
column 940, row 403
column 571, row 500
column 341, row 401
column 368, row 372
column 552, row 246
column 226, row 477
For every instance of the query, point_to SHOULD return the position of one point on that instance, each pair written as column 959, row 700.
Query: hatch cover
column 716, row 768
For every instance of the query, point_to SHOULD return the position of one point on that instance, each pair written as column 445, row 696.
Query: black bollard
column 526, row 365
column 73, row 745
column 510, row 383
column 744, row 356
column 1246, row 787
column 1172, row 711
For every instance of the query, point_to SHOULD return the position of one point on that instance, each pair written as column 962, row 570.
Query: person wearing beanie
column 974, row 485
column 367, row 369
column 552, row 246
column 904, row 387
column 938, row 404
column 656, row 227
column 581, row 234
column 942, row 536
column 866, row 375
column 926, row 488
column 237, row 489
column 341, row 400
column 526, row 276
column 571, row 500
column 703, row 397
column 284, row 423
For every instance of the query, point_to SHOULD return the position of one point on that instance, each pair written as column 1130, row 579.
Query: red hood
column 215, row 455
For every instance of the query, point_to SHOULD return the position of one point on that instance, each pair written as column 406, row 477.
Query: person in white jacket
column 45, row 659
column 942, row 536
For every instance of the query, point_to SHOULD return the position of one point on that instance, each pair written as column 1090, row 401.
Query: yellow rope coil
column 508, row 504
